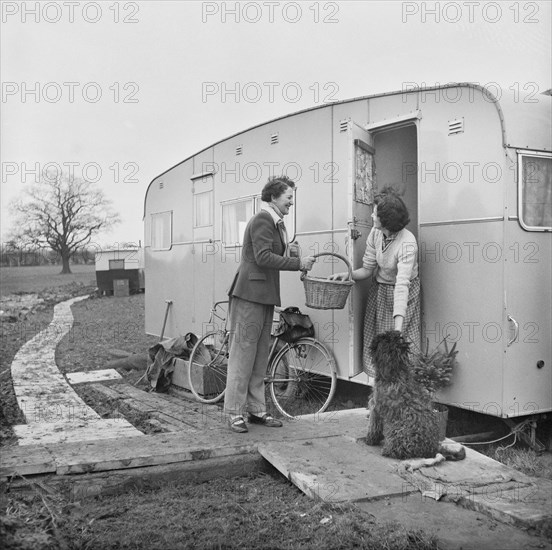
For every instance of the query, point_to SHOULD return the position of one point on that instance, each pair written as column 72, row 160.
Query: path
column 52, row 409
column 322, row 454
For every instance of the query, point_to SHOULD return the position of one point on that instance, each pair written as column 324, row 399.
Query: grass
column 38, row 278
column 255, row 512
column 520, row 458
column 514, row 454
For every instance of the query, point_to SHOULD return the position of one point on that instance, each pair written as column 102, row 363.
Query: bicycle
column 301, row 376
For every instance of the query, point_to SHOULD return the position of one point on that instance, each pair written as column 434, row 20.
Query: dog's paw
column 373, row 439
column 452, row 451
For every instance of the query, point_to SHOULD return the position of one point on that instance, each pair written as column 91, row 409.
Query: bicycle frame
column 296, row 373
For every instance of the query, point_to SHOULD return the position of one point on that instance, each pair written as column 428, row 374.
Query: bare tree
column 62, row 214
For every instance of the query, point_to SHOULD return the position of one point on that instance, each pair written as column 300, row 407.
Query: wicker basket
column 322, row 293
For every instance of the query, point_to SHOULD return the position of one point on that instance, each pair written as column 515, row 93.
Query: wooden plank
column 335, row 469
column 102, row 484
column 171, row 402
column 159, row 399
column 17, row 460
column 77, row 430
column 182, row 447
column 216, row 440
column 129, row 406
column 52, row 409
column 149, row 405
column 106, row 391
column 194, row 414
column 92, row 376
column 124, row 404
column 170, row 424
column 105, row 457
column 527, row 507
column 55, row 409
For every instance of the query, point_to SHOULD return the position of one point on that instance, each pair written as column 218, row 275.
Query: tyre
column 302, row 378
column 208, row 366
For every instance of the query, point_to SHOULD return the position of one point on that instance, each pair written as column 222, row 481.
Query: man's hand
column 307, row 262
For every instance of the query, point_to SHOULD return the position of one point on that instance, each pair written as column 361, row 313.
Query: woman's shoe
column 265, row 420
column 238, row 425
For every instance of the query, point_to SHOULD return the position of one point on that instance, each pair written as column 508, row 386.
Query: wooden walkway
column 322, row 454
column 53, row 411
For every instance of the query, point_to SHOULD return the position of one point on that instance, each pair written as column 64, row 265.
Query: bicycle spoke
column 302, row 378
column 208, row 367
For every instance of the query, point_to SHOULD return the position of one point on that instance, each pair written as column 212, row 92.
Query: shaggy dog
column 401, row 413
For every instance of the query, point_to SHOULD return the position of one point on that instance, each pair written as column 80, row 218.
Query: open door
column 362, row 185
column 390, row 148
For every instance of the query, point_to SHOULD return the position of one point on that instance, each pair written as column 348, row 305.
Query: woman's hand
column 399, row 320
column 338, row 277
column 307, row 262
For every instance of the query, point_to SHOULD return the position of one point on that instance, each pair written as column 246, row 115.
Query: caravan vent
column 274, row 139
column 160, row 185
column 343, row 125
column 456, row 126
column 239, row 150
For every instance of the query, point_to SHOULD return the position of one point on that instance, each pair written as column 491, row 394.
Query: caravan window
column 116, row 264
column 535, row 201
column 161, row 231
column 235, row 215
column 203, row 209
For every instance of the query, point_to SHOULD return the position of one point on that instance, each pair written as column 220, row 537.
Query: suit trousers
column 250, row 327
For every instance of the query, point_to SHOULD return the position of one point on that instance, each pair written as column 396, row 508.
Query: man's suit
column 262, row 259
column 254, row 292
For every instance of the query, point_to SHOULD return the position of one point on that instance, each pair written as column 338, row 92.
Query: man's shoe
column 265, row 420
column 238, row 425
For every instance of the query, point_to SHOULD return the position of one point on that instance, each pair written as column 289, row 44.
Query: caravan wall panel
column 462, row 301
column 461, row 175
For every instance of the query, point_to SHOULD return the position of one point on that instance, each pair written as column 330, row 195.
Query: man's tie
column 283, row 232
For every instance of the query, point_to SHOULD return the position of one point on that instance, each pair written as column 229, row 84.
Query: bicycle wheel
column 302, row 378
column 208, row 366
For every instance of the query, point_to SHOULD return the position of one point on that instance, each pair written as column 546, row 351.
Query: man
column 254, row 292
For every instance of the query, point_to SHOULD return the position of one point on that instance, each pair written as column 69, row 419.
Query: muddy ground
column 260, row 511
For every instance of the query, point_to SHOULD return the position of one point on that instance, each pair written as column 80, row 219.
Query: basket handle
column 342, row 258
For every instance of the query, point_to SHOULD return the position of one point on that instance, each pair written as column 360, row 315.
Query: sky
column 118, row 92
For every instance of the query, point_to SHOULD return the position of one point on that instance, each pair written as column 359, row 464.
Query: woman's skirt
column 379, row 318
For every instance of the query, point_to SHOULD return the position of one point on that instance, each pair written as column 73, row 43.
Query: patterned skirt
column 379, row 318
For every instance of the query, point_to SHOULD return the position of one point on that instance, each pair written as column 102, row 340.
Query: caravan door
column 528, row 279
column 361, row 185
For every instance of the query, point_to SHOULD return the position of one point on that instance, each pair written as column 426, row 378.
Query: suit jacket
column 262, row 259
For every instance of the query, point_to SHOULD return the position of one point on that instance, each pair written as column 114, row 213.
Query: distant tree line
column 13, row 254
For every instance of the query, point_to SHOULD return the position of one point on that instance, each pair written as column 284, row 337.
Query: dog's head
column 390, row 354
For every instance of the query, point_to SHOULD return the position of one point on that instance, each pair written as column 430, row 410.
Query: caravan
column 475, row 173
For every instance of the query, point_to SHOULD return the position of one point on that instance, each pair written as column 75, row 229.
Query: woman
column 391, row 256
column 253, row 294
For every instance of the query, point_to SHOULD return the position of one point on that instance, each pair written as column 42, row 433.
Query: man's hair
column 275, row 186
column 392, row 211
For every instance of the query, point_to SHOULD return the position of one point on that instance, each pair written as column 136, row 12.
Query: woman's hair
column 275, row 186
column 392, row 211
